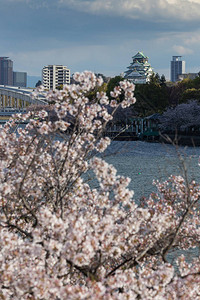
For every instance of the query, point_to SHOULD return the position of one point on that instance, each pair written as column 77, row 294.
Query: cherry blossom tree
column 64, row 237
column 182, row 117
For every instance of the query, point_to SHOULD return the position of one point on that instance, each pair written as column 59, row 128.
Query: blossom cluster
column 183, row 117
column 64, row 235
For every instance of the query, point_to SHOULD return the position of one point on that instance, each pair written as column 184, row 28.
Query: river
column 143, row 162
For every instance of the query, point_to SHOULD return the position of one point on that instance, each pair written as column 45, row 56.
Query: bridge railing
column 18, row 99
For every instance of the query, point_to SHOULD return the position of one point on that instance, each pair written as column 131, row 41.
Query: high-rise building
column 54, row 76
column 140, row 70
column 177, row 67
column 20, row 79
column 6, row 71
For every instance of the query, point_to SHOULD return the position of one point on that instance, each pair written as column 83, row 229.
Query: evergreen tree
column 162, row 80
column 38, row 83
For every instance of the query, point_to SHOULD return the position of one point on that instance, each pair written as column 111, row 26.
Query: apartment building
column 54, row 76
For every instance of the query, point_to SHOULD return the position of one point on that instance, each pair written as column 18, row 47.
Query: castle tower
column 140, row 70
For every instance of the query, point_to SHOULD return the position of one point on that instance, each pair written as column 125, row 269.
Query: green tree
column 190, row 94
column 185, row 90
column 59, row 87
column 91, row 94
column 38, row 83
column 152, row 97
column 154, row 79
column 162, row 80
column 112, row 83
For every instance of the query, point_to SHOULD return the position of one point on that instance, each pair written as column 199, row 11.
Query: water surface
column 143, row 162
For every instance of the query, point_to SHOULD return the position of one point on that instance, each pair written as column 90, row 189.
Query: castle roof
column 140, row 55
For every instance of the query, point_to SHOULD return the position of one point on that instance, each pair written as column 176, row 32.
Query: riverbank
column 182, row 140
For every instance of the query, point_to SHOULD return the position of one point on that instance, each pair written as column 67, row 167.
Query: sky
column 99, row 35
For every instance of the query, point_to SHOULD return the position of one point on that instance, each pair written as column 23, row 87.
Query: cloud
column 77, row 58
column 99, row 35
column 161, row 10
column 193, row 38
column 31, row 4
column 181, row 50
column 154, row 10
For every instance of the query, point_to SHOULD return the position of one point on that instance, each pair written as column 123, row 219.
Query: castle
column 140, row 70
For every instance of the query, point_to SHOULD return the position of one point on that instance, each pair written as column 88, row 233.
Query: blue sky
column 99, row 35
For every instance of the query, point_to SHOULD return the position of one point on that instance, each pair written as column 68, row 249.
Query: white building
column 55, row 75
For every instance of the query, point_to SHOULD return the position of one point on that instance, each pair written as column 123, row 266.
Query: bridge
column 14, row 99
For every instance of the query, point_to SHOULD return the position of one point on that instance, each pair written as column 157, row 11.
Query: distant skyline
column 99, row 35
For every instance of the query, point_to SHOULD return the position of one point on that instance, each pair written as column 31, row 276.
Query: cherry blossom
column 70, row 226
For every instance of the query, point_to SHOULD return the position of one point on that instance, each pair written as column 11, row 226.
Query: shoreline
column 181, row 140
